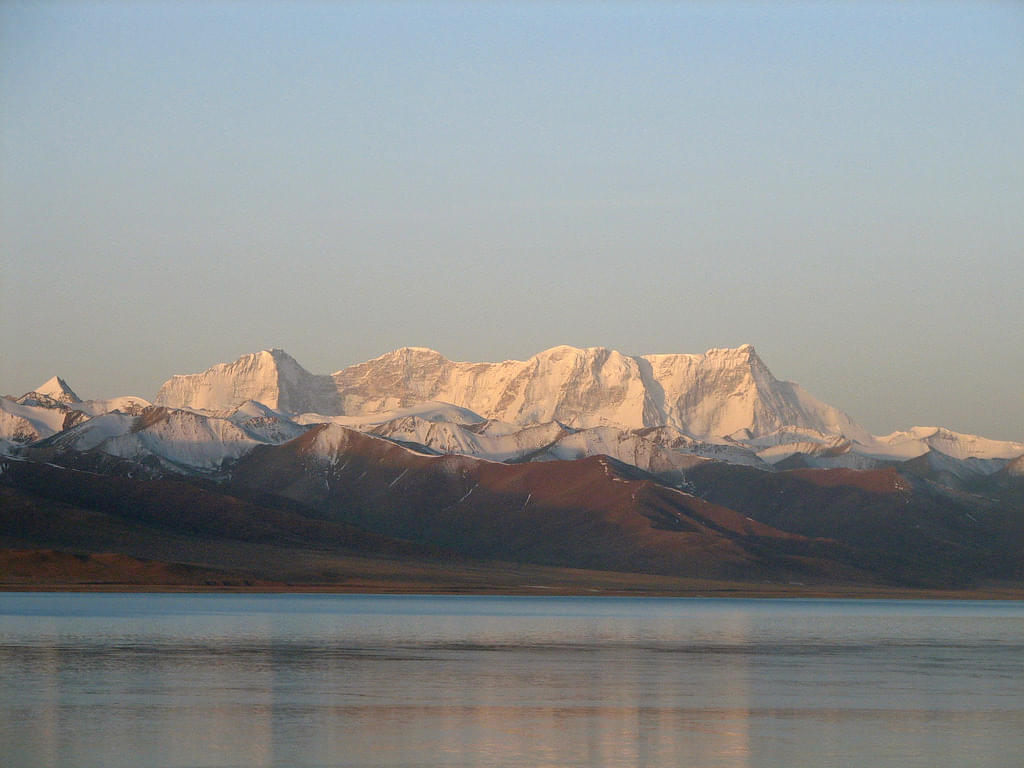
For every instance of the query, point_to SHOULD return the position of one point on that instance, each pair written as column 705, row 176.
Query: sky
column 839, row 184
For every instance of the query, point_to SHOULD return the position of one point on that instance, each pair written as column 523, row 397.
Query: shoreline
column 707, row 590
column 319, row 573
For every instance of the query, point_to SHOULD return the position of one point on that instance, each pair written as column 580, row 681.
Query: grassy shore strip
column 745, row 591
column 24, row 570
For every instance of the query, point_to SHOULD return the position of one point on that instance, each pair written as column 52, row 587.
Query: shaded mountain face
column 47, row 506
column 903, row 528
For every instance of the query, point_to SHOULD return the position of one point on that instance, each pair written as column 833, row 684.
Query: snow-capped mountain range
column 661, row 413
column 721, row 393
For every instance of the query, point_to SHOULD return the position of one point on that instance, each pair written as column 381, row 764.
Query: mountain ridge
column 731, row 473
column 659, row 412
column 708, row 396
column 271, row 376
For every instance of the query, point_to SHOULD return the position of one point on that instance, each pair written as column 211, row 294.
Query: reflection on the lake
column 423, row 681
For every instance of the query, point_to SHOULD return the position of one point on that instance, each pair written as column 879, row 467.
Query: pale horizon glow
column 839, row 184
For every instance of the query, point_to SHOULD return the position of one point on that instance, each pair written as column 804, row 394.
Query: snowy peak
column 917, row 441
column 401, row 358
column 176, row 440
column 660, row 412
column 580, row 387
column 728, row 392
column 264, row 424
column 59, row 390
column 1015, row 468
column 726, row 400
column 53, row 392
column 272, row 377
column 709, row 397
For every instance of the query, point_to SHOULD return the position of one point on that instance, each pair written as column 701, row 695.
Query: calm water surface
column 291, row 680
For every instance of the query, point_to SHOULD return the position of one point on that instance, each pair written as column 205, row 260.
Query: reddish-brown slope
column 42, row 567
column 870, row 480
column 592, row 512
column 167, row 506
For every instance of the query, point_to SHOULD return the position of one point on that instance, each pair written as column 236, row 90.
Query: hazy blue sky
column 841, row 185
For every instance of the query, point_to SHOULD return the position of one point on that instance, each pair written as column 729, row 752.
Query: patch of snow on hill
column 94, row 432
column 264, row 424
column 627, row 447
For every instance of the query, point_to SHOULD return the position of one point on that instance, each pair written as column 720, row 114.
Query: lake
column 358, row 680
